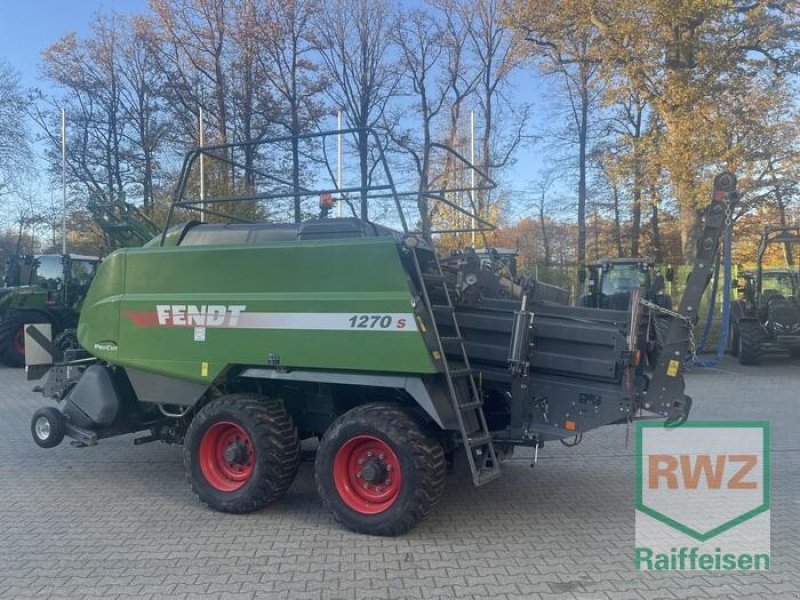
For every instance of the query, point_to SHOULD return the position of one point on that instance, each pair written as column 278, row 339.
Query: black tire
column 12, row 340
column 751, row 338
column 12, row 335
column 48, row 427
column 414, row 449
column 733, row 338
column 272, row 452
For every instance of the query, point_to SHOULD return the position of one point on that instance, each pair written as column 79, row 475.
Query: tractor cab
column 767, row 316
column 779, row 283
column 51, row 273
column 610, row 281
column 779, row 291
column 65, row 277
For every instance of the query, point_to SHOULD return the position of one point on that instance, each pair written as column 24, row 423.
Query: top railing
column 258, row 168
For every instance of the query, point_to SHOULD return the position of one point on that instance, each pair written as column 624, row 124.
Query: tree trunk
column 545, row 237
column 486, row 151
column 424, row 175
column 691, row 222
column 617, row 222
column 147, row 183
column 658, row 249
column 787, row 246
column 296, row 172
column 582, row 143
column 363, row 156
column 636, row 217
column 295, row 131
column 636, row 209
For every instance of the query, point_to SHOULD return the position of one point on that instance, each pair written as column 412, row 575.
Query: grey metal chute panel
column 578, row 342
column 95, row 397
column 160, row 389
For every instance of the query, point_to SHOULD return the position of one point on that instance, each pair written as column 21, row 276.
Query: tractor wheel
column 48, row 427
column 378, row 471
column 733, row 339
column 12, row 341
column 750, row 342
column 241, row 452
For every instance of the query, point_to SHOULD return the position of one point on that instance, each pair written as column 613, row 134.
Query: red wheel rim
column 367, row 474
column 19, row 341
column 227, row 456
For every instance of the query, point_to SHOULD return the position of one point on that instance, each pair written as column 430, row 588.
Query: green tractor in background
column 45, row 288
column 767, row 315
column 609, row 282
column 49, row 288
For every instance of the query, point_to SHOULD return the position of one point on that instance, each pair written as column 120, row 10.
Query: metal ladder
column 478, row 444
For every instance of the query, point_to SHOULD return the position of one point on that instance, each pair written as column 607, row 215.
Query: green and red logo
column 703, row 496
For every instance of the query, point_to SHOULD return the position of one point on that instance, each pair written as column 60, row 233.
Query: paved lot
column 117, row 521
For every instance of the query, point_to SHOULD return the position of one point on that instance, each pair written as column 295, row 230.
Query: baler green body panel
column 190, row 311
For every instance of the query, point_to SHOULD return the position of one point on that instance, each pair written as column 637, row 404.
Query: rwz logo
column 665, row 469
column 702, row 495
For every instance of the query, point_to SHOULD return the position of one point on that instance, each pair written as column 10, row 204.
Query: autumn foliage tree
column 697, row 64
column 636, row 105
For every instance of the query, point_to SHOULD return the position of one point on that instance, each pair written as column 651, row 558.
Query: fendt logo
column 702, row 496
column 211, row 315
column 188, row 315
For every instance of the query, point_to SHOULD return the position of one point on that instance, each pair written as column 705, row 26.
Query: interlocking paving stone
column 118, row 521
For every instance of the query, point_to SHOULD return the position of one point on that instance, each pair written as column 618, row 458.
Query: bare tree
column 287, row 54
column 543, row 188
column 190, row 38
column 462, row 75
column 421, row 40
column 87, row 74
column 116, row 126
column 15, row 150
column 627, row 131
column 141, row 103
column 354, row 44
column 562, row 38
column 496, row 57
column 605, row 161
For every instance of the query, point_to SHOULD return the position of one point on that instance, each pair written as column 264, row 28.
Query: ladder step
column 462, row 372
column 470, row 405
column 479, row 440
column 442, row 308
column 432, row 277
column 451, row 341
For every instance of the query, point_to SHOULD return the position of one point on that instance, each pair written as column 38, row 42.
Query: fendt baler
column 239, row 340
